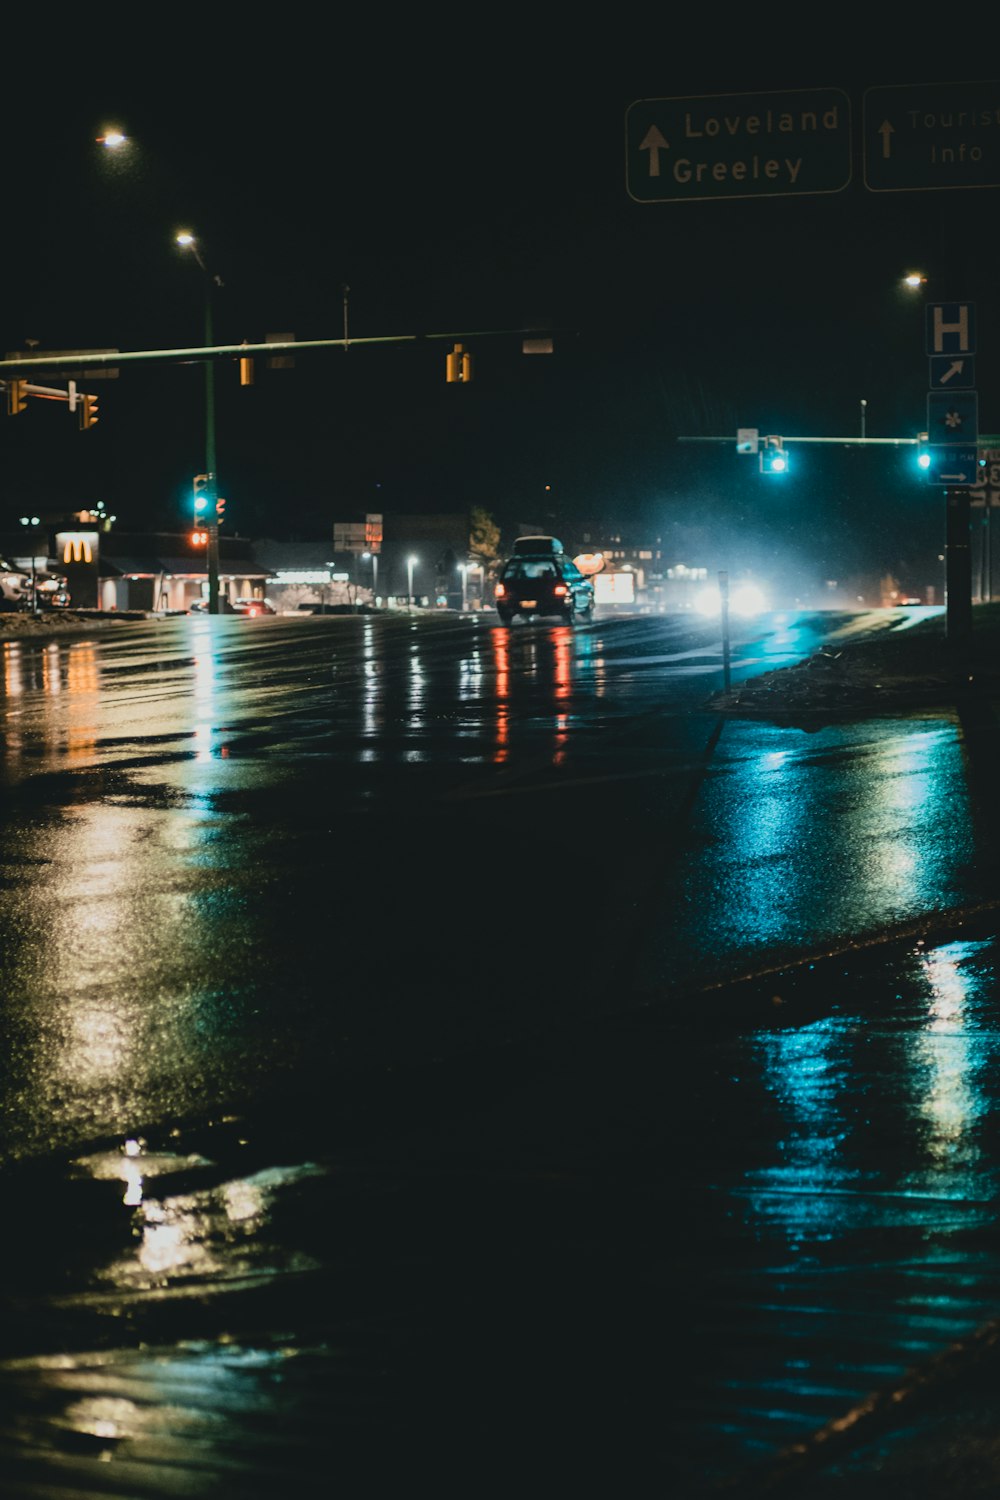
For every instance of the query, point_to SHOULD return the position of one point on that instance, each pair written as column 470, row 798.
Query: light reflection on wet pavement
column 311, row 1193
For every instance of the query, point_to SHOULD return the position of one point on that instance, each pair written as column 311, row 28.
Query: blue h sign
column 951, row 328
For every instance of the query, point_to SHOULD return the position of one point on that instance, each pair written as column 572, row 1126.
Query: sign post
column 952, row 433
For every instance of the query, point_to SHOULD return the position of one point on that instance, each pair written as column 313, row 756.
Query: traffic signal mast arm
column 844, row 442
column 18, row 392
column 18, row 365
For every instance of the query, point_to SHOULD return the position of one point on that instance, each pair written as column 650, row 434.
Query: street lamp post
column 410, row 561
column 463, row 568
column 187, row 241
column 34, row 522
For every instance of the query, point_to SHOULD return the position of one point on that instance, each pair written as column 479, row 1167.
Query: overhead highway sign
column 931, row 135
column 765, row 145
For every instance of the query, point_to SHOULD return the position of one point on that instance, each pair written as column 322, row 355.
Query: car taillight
column 560, row 588
column 499, row 590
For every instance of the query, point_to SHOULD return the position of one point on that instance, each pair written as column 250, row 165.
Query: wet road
column 430, row 1043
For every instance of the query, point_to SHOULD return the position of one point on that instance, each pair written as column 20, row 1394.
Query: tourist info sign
column 768, row 145
column 931, row 135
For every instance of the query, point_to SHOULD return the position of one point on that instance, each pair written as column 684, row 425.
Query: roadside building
column 158, row 571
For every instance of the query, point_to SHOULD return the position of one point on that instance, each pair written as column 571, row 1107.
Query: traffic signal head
column 773, row 458
column 204, row 490
column 246, row 370
column 458, row 365
column 17, row 396
column 220, row 507
column 88, row 411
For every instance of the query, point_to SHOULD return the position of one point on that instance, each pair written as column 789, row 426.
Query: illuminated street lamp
column 410, row 562
column 34, row 522
column 914, row 280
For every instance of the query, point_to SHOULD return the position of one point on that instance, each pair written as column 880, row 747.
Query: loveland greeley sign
column 738, row 146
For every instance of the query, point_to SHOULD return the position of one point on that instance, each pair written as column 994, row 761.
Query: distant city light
column 914, row 279
column 112, row 139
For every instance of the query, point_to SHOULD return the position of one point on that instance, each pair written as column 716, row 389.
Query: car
column 51, row 591
column 254, row 607
column 548, row 583
column 15, row 587
column 200, row 607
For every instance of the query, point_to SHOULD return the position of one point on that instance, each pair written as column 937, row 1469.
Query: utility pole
column 213, row 517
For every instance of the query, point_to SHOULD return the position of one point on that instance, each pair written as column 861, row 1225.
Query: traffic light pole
column 213, row 518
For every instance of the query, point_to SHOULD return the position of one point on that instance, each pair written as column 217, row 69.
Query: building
column 116, row 570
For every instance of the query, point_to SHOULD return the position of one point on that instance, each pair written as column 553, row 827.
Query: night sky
column 466, row 177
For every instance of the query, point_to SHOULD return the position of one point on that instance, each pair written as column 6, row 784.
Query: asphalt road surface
column 441, row 1050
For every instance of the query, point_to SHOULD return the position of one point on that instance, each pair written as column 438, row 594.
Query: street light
column 463, row 568
column 186, row 240
column 410, row 561
column 374, row 562
column 34, row 522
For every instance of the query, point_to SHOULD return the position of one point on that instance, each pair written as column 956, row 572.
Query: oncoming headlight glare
column 744, row 599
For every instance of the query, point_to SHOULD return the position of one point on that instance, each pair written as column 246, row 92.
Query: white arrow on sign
column 886, row 131
column 959, row 477
column 654, row 143
column 957, row 366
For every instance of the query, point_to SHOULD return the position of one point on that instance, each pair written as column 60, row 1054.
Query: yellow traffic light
column 17, row 396
column 88, row 411
column 454, row 364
